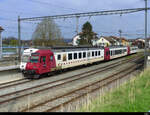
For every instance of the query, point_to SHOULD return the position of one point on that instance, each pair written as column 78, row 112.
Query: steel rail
column 34, row 92
column 132, row 69
column 72, row 81
column 15, row 83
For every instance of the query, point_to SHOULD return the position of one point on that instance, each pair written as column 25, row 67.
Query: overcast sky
column 132, row 25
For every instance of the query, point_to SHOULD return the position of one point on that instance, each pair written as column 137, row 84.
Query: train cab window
column 80, row 55
column 70, row 56
column 84, row 54
column 75, row 55
column 25, row 58
column 59, row 57
column 34, row 59
column 51, row 58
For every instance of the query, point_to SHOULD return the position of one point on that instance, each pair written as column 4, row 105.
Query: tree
column 87, row 34
column 13, row 42
column 10, row 41
column 47, row 33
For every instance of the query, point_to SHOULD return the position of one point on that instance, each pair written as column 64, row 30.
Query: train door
column 106, row 54
column 52, row 62
column 128, row 50
column 44, row 64
column 88, row 55
column 64, row 58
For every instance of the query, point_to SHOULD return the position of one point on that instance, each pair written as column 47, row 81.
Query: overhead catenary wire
column 106, row 12
column 52, row 4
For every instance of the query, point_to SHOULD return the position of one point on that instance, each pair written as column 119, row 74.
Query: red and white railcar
column 36, row 62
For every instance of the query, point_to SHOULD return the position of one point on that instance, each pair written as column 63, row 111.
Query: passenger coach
column 35, row 62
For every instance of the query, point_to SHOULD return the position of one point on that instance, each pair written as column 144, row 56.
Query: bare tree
column 47, row 33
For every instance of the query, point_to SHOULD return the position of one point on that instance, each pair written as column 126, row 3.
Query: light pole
column 120, row 31
column 1, row 49
column 146, row 44
column 19, row 39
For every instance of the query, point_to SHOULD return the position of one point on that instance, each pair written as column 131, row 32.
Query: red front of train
column 39, row 63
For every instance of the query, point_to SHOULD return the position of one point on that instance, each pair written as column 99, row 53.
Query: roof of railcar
column 71, row 48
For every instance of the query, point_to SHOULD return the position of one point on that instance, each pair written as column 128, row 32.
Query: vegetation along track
column 11, row 96
column 69, row 97
column 23, row 81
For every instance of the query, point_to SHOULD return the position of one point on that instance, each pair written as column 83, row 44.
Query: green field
column 133, row 96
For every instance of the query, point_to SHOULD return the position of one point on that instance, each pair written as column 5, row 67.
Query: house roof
column 116, row 38
column 124, row 39
column 110, row 39
column 131, row 40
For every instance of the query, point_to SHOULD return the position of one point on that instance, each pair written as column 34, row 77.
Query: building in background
column 140, row 43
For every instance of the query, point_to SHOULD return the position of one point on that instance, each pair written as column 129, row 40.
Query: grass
column 133, row 96
column 131, row 56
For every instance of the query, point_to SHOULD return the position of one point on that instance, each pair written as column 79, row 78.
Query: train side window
column 84, row 54
column 92, row 53
column 95, row 53
column 75, row 55
column 59, row 57
column 80, row 55
column 119, row 51
column 110, row 53
column 70, row 56
column 99, row 53
column 115, row 52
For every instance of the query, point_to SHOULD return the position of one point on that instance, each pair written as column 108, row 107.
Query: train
column 36, row 62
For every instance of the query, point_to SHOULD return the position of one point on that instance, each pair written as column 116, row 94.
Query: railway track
column 22, row 93
column 13, row 83
column 62, row 100
column 79, row 93
column 23, row 81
